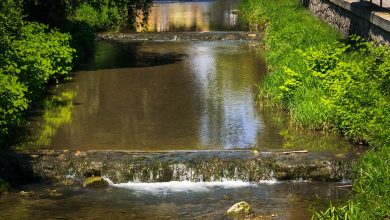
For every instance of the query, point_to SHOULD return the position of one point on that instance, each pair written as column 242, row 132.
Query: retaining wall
column 353, row 17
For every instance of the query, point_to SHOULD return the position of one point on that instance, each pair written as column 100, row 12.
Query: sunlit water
column 153, row 96
column 214, row 15
column 286, row 200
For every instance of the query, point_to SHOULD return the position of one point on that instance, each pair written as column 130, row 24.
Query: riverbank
column 328, row 83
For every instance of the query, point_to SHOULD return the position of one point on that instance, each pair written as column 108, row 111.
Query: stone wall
column 353, row 17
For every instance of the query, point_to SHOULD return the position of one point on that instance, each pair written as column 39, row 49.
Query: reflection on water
column 57, row 110
column 173, row 96
column 195, row 16
column 286, row 200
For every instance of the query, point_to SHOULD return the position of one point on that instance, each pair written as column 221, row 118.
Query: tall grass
column 330, row 83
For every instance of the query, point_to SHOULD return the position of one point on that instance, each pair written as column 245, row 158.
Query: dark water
column 195, row 16
column 153, row 96
column 287, row 200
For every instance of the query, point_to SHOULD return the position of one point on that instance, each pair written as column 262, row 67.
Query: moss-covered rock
column 240, row 209
column 95, row 182
column 4, row 186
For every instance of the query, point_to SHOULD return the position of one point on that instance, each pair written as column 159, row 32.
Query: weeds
column 325, row 82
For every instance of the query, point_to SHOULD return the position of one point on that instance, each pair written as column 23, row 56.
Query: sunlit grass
column 350, row 97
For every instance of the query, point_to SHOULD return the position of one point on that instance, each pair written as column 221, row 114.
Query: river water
column 169, row 96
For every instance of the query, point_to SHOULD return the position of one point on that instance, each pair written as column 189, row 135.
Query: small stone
column 95, row 182
column 54, row 193
column 252, row 35
column 240, row 209
column 26, row 193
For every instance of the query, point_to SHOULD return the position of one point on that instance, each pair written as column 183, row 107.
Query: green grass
column 326, row 82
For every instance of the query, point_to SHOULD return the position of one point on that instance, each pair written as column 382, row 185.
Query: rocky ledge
column 180, row 36
column 122, row 166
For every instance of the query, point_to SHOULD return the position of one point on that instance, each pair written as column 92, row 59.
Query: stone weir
column 181, row 36
column 121, row 166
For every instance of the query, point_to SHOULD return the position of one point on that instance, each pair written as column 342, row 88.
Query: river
column 173, row 96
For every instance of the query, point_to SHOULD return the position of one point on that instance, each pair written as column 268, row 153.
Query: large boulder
column 95, row 182
column 240, row 209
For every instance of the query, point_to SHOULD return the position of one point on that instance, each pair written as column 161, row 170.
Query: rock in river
column 95, row 182
column 240, row 209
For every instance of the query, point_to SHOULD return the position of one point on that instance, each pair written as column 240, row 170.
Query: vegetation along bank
column 329, row 83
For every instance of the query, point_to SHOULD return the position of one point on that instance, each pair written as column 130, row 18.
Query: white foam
column 182, row 186
column 269, row 182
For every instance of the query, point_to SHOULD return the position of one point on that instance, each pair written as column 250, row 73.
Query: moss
column 95, row 182
column 240, row 209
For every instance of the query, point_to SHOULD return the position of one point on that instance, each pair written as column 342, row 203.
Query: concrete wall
column 353, row 17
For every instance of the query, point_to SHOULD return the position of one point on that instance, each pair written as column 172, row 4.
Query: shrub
column 31, row 55
column 13, row 103
column 38, row 55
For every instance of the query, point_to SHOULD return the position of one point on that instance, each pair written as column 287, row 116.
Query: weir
column 196, row 166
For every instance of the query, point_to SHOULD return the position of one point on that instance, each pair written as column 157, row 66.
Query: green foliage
column 12, row 103
column 355, row 77
column 10, row 17
column 347, row 212
column 99, row 14
column 324, row 83
column 103, row 18
column 38, row 55
column 4, row 186
column 30, row 57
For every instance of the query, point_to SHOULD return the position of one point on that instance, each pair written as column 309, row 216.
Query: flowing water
column 164, row 96
column 158, row 96
column 184, row 200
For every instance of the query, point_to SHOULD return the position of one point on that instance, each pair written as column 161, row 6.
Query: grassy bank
column 326, row 82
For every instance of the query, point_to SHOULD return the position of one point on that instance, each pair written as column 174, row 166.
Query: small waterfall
column 201, row 166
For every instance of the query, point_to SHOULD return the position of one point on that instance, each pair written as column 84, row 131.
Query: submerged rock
column 26, row 193
column 240, row 209
column 95, row 182
column 4, row 186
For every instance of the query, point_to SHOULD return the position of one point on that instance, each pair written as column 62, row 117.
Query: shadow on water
column 117, row 55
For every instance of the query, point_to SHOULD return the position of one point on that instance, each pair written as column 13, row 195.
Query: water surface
column 198, row 201
column 212, row 15
column 144, row 96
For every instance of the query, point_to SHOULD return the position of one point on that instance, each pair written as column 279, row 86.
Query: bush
column 13, row 103
column 100, row 19
column 30, row 57
column 36, row 56
column 355, row 77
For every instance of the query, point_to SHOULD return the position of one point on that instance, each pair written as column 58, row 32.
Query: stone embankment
column 354, row 17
